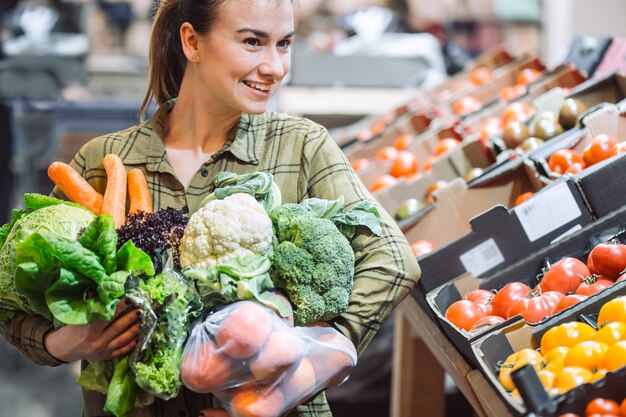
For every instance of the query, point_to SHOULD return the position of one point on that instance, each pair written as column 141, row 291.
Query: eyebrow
column 262, row 34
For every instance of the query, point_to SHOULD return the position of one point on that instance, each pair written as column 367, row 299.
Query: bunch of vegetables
column 602, row 407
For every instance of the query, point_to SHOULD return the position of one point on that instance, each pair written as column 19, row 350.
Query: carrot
column 114, row 200
column 75, row 187
column 138, row 192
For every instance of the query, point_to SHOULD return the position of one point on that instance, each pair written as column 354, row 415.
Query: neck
column 195, row 124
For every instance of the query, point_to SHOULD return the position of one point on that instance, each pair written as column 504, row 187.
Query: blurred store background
column 74, row 69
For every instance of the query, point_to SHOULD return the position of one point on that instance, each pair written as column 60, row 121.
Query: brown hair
column 166, row 60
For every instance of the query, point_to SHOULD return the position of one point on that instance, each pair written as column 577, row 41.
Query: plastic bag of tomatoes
column 257, row 364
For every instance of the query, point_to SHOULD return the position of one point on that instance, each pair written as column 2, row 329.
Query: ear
column 189, row 40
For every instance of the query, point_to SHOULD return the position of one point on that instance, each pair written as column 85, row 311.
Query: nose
column 275, row 64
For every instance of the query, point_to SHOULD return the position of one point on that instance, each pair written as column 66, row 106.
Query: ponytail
column 166, row 59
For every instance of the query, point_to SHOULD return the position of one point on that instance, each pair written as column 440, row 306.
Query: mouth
column 263, row 87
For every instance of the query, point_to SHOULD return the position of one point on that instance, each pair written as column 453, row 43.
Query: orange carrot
column 138, row 192
column 75, row 187
column 114, row 200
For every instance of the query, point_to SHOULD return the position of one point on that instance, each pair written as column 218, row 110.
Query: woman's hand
column 100, row 340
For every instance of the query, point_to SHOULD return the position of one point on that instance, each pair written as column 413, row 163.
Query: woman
column 214, row 65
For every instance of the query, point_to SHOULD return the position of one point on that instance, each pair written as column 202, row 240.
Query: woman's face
column 246, row 54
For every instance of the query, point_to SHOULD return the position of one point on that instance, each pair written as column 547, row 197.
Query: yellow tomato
column 614, row 310
column 587, row 354
column 554, row 360
column 615, row 357
column 570, row 377
column 599, row 374
column 566, row 334
column 517, row 360
column 547, row 378
column 611, row 333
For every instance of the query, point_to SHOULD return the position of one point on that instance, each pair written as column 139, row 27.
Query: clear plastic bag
column 257, row 364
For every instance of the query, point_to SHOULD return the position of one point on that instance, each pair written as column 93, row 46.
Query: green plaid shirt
column 305, row 162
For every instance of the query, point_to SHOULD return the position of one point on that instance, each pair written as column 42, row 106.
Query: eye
column 252, row 42
column 285, row 44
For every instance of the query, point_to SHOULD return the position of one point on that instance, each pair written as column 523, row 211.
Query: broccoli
column 313, row 262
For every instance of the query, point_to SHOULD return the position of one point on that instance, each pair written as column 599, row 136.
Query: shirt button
column 204, row 172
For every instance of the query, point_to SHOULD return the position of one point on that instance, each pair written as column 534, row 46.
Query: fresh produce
column 608, row 259
column 114, row 199
column 505, row 297
column 404, row 165
column 534, row 305
column 75, row 187
column 42, row 213
column 464, row 314
column 560, row 161
column 565, row 275
column 382, row 182
column 528, row 75
column 408, row 208
column 138, row 192
column 569, row 112
column 599, row 149
column 523, row 197
column 546, row 126
column 422, row 247
column 259, row 185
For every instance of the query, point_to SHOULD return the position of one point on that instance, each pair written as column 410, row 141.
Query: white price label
column 482, row 258
column 546, row 212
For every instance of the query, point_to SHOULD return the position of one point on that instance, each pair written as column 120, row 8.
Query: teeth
column 257, row 86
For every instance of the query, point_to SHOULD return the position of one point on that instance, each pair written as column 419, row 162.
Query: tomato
column 562, row 159
column 528, row 75
column 482, row 298
column 428, row 163
column 378, row 127
column 507, row 294
column 569, row 415
column 622, row 408
column 403, row 141
column 486, row 322
column 535, row 305
column 568, row 301
column 546, row 378
column 404, row 165
column 428, row 196
column 599, row 149
column 615, row 357
column 566, row 334
column 480, row 75
column 464, row 313
column 608, row 259
column 446, row 145
column 466, row 105
column 614, row 310
column 571, row 377
column 565, row 275
column 575, row 168
column 618, row 149
column 523, row 197
column 364, row 135
column 383, row 181
column 515, row 361
column 517, row 111
column 490, row 127
column 593, row 284
column 587, row 354
column 512, row 92
column 554, row 360
column 360, row 164
column 387, row 153
column 602, row 406
column 422, row 247
column 611, row 333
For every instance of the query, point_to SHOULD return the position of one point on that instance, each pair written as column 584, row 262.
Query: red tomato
column 509, row 293
column 383, row 181
column 569, row 415
column 421, row 247
column 487, row 321
column 517, row 111
column 464, row 314
column 602, row 406
column 403, row 141
column 575, row 168
column 490, row 127
column 446, row 145
column 404, row 165
column 428, row 196
column 608, row 259
column 480, row 75
column 568, row 301
column 523, row 197
column 618, row 149
column 593, row 285
column 563, row 159
column 534, row 306
column 387, row 153
column 482, row 298
column 512, row 92
column 599, row 149
column 528, row 75
column 428, row 163
column 466, row 105
column 360, row 164
column 565, row 276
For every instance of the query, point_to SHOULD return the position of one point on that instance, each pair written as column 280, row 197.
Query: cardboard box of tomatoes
column 526, row 273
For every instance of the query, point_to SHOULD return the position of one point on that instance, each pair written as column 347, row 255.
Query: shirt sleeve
column 27, row 333
column 385, row 268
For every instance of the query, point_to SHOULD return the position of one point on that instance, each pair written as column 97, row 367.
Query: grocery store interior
column 453, row 113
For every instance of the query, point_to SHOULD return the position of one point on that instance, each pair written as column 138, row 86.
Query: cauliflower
column 233, row 227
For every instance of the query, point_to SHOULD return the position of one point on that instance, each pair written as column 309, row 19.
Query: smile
column 258, row 86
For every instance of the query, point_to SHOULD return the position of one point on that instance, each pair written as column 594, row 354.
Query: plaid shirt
column 305, row 162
